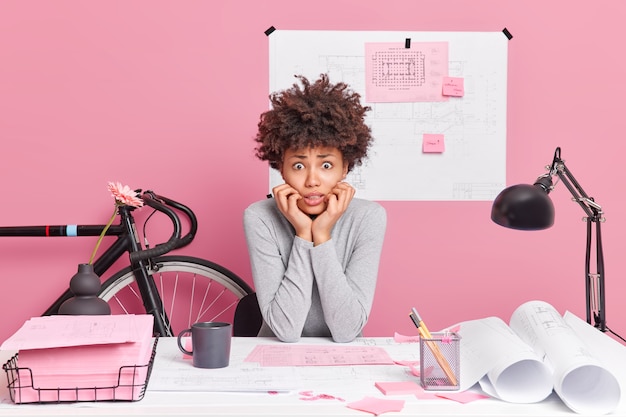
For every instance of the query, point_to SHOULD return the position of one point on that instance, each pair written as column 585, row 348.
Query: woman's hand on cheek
column 337, row 202
column 344, row 193
column 287, row 202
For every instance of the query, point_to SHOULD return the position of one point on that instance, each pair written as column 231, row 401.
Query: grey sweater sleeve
column 304, row 290
column 347, row 284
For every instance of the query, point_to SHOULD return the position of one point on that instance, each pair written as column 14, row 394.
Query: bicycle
column 177, row 290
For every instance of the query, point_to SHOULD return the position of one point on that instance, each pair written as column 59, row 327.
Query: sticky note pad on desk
column 399, row 387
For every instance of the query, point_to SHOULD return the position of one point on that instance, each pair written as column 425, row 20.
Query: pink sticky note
column 377, row 406
column 188, row 346
column 433, row 143
column 400, row 338
column 455, row 329
column 398, row 387
column 415, row 370
column 463, row 396
column 425, row 395
column 453, row 86
column 422, row 394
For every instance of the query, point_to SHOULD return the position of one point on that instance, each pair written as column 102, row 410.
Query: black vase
column 85, row 286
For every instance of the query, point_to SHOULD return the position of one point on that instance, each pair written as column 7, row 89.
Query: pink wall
column 180, row 85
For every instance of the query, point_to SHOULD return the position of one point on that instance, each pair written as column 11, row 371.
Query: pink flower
column 124, row 196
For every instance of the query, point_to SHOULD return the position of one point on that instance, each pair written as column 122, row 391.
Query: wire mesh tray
column 132, row 381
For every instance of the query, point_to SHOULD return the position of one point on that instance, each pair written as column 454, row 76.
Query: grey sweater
column 321, row 291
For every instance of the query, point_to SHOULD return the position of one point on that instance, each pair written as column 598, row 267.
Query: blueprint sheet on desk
column 173, row 372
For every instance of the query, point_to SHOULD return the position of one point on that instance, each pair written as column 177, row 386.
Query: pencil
column 421, row 322
column 425, row 334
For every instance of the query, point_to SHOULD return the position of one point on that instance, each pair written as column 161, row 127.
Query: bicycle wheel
column 191, row 290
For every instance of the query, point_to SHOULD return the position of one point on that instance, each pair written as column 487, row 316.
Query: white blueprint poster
column 472, row 163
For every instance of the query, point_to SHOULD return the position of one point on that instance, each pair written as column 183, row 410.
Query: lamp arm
column 594, row 282
column 592, row 209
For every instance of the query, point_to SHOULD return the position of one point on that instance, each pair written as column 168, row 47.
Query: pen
column 421, row 323
column 425, row 334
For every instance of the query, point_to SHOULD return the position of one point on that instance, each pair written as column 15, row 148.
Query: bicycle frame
column 127, row 241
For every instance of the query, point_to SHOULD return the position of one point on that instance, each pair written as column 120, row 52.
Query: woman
column 314, row 248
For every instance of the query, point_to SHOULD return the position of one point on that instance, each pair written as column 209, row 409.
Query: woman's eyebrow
column 320, row 156
column 298, row 156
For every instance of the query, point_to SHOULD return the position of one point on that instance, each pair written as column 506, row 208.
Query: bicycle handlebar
column 165, row 205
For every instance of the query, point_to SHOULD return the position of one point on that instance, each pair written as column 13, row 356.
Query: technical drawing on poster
column 473, row 164
column 396, row 73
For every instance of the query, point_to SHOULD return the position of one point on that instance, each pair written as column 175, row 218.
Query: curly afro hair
column 318, row 114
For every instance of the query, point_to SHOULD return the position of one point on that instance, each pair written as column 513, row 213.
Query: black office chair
column 248, row 320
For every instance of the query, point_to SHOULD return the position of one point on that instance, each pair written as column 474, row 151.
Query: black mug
column 210, row 343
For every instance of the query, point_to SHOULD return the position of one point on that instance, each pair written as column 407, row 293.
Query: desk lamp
column 528, row 207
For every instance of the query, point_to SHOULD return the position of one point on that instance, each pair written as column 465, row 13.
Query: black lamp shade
column 523, row 207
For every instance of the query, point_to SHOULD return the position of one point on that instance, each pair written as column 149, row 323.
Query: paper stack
column 81, row 358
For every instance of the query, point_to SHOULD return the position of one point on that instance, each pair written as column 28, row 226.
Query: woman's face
column 313, row 173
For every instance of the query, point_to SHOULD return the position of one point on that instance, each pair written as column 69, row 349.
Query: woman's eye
column 298, row 166
column 327, row 165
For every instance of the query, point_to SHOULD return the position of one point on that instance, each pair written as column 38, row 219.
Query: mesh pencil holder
column 440, row 362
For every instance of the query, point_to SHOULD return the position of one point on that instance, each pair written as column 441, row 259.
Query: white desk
column 349, row 383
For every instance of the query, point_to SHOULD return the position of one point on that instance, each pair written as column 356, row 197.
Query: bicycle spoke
column 192, row 298
column 202, row 313
column 174, row 291
column 164, row 319
column 217, row 298
column 214, row 318
column 204, row 299
column 198, row 288
column 168, row 324
column 121, row 304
